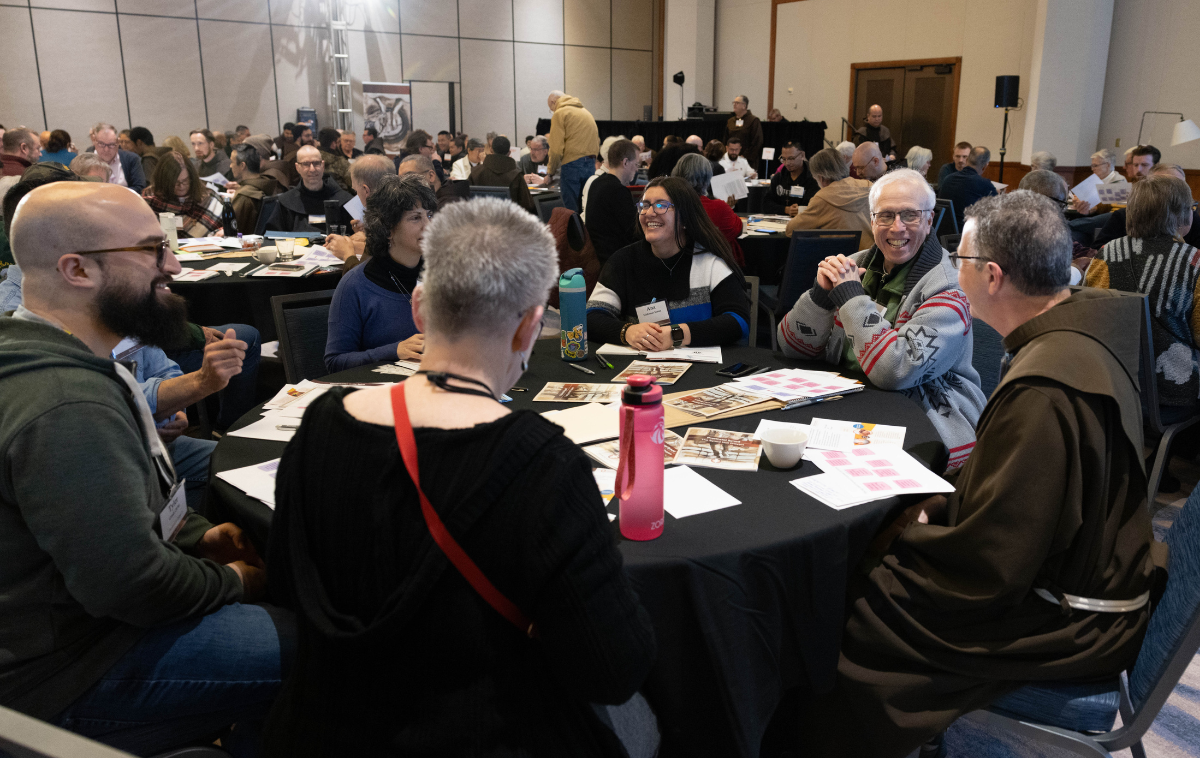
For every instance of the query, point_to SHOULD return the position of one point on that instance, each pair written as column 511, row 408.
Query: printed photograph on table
column 663, row 372
column 717, row 448
column 609, row 453
column 715, row 400
column 560, row 392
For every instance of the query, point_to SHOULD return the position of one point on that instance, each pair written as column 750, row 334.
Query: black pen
column 602, row 361
column 814, row 401
column 255, row 270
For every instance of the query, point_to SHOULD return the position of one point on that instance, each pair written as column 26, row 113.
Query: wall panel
column 588, row 78
column 429, row 17
column 77, row 96
column 488, row 92
column 538, row 21
column 301, row 71
column 586, row 22
column 21, row 105
column 539, row 71
column 485, row 19
column 374, row 57
column 432, row 59
column 238, row 77
column 174, row 105
column 631, row 24
column 631, row 86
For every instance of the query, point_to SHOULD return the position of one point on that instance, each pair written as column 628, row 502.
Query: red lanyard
column 457, row 556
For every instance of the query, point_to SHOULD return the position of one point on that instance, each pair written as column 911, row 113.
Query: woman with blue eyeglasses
column 677, row 287
column 370, row 318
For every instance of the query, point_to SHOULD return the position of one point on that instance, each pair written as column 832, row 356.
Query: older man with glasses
column 126, row 166
column 895, row 313
column 302, row 208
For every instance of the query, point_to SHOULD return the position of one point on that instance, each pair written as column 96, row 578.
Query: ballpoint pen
column 814, row 401
column 602, row 361
column 287, row 427
column 577, row 367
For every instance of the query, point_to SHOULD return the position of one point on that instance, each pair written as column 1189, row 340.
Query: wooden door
column 919, row 100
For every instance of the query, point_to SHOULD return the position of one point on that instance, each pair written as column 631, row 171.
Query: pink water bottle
column 640, row 472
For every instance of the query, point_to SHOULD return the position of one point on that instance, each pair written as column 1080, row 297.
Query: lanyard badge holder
column 471, row 572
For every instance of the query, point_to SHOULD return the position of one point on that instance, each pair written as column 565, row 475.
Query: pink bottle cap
column 641, row 390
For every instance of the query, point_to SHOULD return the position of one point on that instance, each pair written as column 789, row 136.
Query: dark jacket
column 529, row 167
column 751, row 134
column 374, row 147
column 946, row 170
column 963, row 188
column 84, row 572
column 247, row 201
column 779, row 195
column 502, row 171
column 880, row 135
column 336, row 166
column 131, row 164
column 452, row 192
column 290, row 214
column 612, row 220
column 150, row 158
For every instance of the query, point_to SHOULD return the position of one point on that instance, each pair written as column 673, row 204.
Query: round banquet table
column 747, row 601
column 242, row 299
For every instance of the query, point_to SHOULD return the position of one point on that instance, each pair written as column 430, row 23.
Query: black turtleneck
column 314, row 202
column 392, row 276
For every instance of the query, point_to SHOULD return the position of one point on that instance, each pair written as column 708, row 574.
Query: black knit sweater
column 397, row 653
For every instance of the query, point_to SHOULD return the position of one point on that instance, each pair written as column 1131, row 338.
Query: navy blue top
column 963, row 188
column 366, row 322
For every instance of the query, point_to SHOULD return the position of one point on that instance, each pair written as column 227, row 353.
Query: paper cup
column 265, row 255
column 784, row 447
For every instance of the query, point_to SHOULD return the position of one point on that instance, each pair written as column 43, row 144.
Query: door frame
column 856, row 67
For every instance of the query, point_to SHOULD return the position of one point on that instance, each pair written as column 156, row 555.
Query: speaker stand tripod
column 1003, row 143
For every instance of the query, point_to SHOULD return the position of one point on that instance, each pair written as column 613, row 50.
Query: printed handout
column 795, row 384
column 828, row 434
column 609, row 453
column 663, row 371
column 718, row 448
column 257, row 481
column 881, row 471
column 715, row 400
column 562, row 392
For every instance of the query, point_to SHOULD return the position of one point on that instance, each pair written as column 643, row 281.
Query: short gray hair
column 846, row 150
column 903, row 176
column 424, row 164
column 1026, row 235
column 828, row 166
column 487, row 262
column 696, row 170
column 1042, row 161
column 1106, row 154
column 85, row 163
column 1045, row 183
column 540, row 140
column 918, row 157
column 1158, row 206
column 370, row 170
column 474, row 143
column 979, row 157
column 745, row 100
column 100, row 127
column 606, row 144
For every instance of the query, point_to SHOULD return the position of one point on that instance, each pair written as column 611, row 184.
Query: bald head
column 695, row 140
column 66, row 217
column 867, row 161
column 875, row 115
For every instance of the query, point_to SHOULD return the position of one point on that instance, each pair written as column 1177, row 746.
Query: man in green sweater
column 115, row 597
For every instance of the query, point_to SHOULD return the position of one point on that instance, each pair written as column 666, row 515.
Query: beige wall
column 1152, row 66
column 742, row 54
column 690, row 48
column 817, row 40
column 184, row 64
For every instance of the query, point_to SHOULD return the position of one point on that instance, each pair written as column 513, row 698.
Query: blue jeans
column 239, row 395
column 190, row 457
column 572, row 177
column 187, row 682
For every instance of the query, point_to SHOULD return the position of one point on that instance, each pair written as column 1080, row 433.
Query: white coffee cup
column 784, row 447
column 265, row 255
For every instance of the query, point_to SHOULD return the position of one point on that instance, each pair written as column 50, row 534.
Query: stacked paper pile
column 257, row 481
column 282, row 414
column 788, row 384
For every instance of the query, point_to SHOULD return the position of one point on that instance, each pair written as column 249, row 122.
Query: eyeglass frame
column 955, row 259
column 159, row 251
column 651, row 204
column 897, row 215
column 310, row 164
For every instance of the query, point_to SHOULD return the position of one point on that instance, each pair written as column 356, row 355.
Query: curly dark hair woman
column 683, row 260
column 370, row 318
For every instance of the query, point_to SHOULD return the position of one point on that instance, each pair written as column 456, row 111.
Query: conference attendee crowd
column 117, row 591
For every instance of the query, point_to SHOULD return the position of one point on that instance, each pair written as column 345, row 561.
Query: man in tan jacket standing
column 574, row 144
column 841, row 203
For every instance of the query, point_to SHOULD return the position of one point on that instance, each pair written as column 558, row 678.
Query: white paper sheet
column 231, row 266
column 183, row 257
column 319, row 255
column 265, row 429
column 690, row 354
column 192, row 275
column 588, row 423
column 768, row 153
column 355, row 208
column 1113, row 193
column 216, row 179
column 831, row 489
column 606, row 481
column 257, row 481
column 727, row 184
column 268, row 271
column 881, row 471
column 1000, row 188
column 828, row 434
column 686, row 493
column 1086, row 190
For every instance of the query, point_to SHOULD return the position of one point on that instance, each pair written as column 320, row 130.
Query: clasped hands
column 228, row 545
column 649, row 337
column 838, row 269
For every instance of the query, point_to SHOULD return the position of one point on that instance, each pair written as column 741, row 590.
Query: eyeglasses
column 886, row 218
column 109, row 145
column 956, row 259
column 158, row 250
column 660, row 206
column 310, row 164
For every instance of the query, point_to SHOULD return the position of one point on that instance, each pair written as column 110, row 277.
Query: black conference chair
column 950, row 241
column 547, row 205
column 987, row 352
column 500, row 192
column 302, row 323
column 947, row 222
column 266, row 213
column 809, row 247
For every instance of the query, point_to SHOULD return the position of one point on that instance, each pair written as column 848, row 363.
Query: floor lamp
column 1185, row 130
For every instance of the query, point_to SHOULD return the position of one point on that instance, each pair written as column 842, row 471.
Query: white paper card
column 686, row 493
column 192, row 275
column 171, row 517
column 880, row 471
column 265, row 429
column 514, row 153
column 1086, row 190
column 827, row 434
column 729, row 184
column 768, row 153
column 355, row 208
column 588, row 423
column 1113, row 193
column 653, row 313
column 831, row 489
column 216, row 179
column 606, row 482
column 231, row 267
column 314, row 220
column 257, row 481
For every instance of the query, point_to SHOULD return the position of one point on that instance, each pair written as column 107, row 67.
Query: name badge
column 446, row 157
column 179, row 222
column 653, row 313
column 314, row 220
column 738, row 122
column 542, row 170
column 172, row 516
column 797, row 191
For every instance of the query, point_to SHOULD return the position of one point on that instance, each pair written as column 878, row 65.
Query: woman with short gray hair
column 1155, row 261
column 918, row 159
column 1104, row 166
column 697, row 171
column 397, row 654
column 842, row 201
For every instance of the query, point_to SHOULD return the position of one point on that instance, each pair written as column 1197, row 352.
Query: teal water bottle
column 572, row 304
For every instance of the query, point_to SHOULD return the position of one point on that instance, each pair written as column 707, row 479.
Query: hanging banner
column 388, row 108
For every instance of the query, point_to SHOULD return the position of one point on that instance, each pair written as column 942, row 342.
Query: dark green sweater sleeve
column 95, row 519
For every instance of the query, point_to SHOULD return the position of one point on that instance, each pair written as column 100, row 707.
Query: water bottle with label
column 639, row 482
column 572, row 304
column 228, row 220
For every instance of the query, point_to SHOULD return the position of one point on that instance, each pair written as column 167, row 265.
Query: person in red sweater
column 696, row 170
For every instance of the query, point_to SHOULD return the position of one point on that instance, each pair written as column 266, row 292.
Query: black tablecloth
column 810, row 134
column 241, row 299
column 747, row 601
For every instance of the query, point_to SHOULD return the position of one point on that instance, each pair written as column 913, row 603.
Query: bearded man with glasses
column 115, row 595
column 894, row 312
column 302, row 208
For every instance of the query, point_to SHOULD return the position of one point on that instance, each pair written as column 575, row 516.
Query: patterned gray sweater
column 926, row 354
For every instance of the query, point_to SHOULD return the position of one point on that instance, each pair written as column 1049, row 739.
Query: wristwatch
column 676, row 336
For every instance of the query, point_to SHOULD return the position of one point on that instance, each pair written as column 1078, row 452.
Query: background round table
column 242, row 299
column 747, row 601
